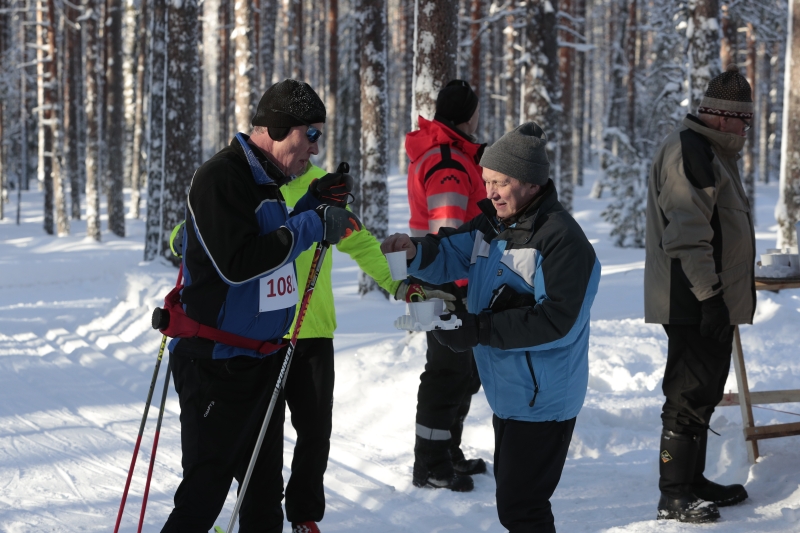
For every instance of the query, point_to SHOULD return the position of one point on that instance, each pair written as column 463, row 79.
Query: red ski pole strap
column 182, row 327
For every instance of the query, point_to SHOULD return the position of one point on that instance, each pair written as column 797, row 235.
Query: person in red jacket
column 444, row 187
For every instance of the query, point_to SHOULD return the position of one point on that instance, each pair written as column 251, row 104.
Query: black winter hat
column 456, row 102
column 728, row 95
column 289, row 103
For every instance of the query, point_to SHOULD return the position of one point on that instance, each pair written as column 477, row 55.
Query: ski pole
column 316, row 264
column 141, row 430
column 155, row 445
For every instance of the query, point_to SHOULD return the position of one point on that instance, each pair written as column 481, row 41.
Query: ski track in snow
column 77, row 356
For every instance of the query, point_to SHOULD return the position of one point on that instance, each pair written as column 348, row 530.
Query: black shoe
column 688, row 508
column 456, row 483
column 470, row 467
column 722, row 495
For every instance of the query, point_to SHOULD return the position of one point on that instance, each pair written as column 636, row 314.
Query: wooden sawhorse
column 746, row 399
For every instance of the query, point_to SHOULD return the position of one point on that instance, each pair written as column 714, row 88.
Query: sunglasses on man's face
column 312, row 133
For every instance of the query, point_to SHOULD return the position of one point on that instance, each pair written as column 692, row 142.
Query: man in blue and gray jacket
column 533, row 276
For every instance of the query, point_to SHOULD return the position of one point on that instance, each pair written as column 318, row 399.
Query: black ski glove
column 337, row 223
column 715, row 321
column 333, row 189
column 475, row 329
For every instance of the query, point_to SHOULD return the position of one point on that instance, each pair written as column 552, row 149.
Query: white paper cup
column 775, row 259
column 423, row 312
column 438, row 308
column 397, row 265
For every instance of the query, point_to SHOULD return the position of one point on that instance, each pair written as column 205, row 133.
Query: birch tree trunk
column 45, row 102
column 296, row 36
column 374, row 134
column 182, row 108
column 138, row 163
column 407, row 92
column 787, row 212
column 566, row 69
column 749, row 167
column 92, row 108
column 156, row 145
column 763, row 110
column 579, row 96
column 71, row 94
column 114, row 128
column 435, row 53
column 728, row 44
column 331, row 142
column 269, row 16
column 224, row 71
column 704, row 47
column 541, row 73
column 246, row 98
column 510, row 75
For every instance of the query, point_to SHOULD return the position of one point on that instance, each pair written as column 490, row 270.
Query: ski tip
column 218, row 529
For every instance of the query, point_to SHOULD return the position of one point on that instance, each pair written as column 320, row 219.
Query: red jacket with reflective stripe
column 444, row 178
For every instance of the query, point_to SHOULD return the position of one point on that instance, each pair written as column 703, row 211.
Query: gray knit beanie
column 520, row 153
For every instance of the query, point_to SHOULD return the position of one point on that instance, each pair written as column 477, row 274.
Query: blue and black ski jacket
column 536, row 366
column 238, row 231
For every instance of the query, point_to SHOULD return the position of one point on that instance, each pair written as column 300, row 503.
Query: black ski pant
column 694, row 382
column 309, row 394
column 528, row 460
column 694, row 379
column 445, row 392
column 223, row 403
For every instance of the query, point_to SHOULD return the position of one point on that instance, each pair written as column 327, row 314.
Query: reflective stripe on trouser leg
column 432, row 434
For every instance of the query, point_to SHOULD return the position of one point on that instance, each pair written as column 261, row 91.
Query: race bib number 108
column 278, row 290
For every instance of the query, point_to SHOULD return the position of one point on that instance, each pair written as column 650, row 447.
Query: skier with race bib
column 239, row 249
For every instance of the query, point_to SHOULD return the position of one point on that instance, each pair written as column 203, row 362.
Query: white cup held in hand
column 438, row 308
column 423, row 312
column 397, row 265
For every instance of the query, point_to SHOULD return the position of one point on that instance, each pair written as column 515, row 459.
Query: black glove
column 333, row 189
column 475, row 329
column 715, row 321
column 337, row 223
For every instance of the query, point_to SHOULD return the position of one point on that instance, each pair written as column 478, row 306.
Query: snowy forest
column 100, row 96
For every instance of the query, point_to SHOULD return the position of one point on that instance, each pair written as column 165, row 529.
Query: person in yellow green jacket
column 309, row 387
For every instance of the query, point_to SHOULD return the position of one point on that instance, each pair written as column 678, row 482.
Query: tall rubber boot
column 677, row 462
column 433, row 467
column 722, row 495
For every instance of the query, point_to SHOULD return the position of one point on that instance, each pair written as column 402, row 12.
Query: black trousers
column 309, row 394
column 223, row 403
column 445, row 392
column 528, row 460
column 694, row 379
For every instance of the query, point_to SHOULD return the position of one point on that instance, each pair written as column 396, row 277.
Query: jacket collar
column 728, row 144
column 272, row 170
column 519, row 228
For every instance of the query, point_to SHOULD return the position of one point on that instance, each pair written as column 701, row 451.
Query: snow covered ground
column 77, row 354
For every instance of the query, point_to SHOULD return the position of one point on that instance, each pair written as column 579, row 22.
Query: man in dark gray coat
column 699, row 284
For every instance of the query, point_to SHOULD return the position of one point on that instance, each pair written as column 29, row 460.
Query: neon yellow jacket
column 320, row 320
